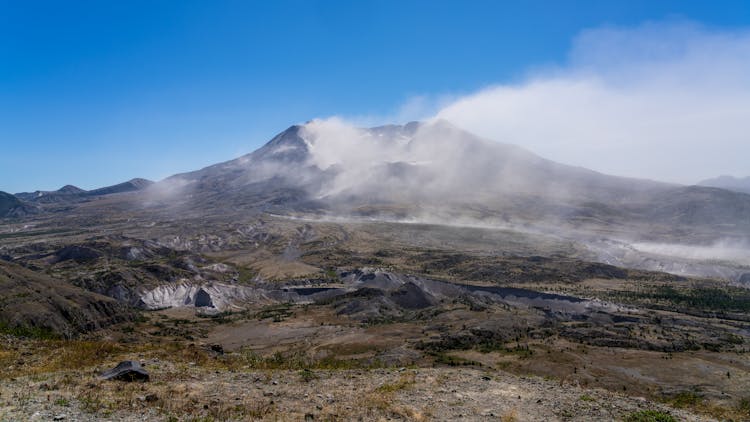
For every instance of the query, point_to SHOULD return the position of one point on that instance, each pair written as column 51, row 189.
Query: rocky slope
column 34, row 303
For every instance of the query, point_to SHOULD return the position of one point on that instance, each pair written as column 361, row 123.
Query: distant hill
column 73, row 193
column 129, row 186
column 10, row 206
column 729, row 182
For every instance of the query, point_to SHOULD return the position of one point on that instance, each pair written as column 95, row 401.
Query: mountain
column 10, row 206
column 729, row 183
column 129, row 186
column 66, row 192
column 438, row 171
column 70, row 189
column 73, row 193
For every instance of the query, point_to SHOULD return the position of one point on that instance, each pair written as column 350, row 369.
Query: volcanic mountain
column 438, row 172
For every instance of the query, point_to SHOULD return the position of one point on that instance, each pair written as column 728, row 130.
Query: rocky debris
column 127, row 370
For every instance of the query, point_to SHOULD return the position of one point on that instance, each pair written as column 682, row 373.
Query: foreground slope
column 35, row 303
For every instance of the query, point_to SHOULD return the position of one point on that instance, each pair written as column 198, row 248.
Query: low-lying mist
column 723, row 250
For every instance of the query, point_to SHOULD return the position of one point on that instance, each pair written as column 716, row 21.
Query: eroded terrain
column 262, row 316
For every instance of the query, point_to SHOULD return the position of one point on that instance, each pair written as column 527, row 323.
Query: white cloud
column 667, row 101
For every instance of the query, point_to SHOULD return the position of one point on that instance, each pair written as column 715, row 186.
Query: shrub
column 650, row 416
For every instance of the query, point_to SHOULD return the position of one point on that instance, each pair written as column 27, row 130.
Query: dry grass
column 509, row 416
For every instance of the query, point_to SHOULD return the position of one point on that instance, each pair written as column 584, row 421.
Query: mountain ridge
column 72, row 193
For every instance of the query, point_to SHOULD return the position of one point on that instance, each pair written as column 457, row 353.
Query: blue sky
column 95, row 93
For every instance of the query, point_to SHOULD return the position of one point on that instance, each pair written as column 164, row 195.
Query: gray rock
column 203, row 299
column 126, row 371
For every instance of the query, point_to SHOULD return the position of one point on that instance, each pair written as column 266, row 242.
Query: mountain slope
column 129, row 186
column 34, row 301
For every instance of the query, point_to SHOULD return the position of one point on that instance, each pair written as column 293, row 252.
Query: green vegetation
column 650, row 416
column 725, row 299
column 28, row 332
column 245, row 275
column 450, row 360
column 744, row 406
column 277, row 312
column 685, row 399
column 294, row 361
column 63, row 402
column 307, row 375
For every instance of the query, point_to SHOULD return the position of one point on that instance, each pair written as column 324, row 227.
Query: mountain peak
column 70, row 189
column 287, row 146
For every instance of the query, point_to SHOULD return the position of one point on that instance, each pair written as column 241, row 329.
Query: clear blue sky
column 97, row 92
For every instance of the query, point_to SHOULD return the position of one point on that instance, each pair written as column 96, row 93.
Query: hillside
column 34, row 303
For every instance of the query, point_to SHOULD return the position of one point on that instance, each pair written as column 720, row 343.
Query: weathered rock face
column 203, row 299
column 214, row 295
column 745, row 278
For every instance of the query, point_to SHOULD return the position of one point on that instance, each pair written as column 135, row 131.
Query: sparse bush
column 62, row 402
column 686, row 399
column 307, row 375
column 509, row 416
column 28, row 332
column 744, row 406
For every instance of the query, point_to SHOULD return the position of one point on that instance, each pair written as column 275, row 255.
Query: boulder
column 203, row 299
column 127, row 370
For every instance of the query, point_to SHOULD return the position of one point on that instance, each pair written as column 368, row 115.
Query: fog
column 433, row 161
column 723, row 250
column 668, row 101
